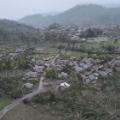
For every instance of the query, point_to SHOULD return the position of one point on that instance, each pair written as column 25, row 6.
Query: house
column 28, row 85
column 65, row 85
column 38, row 68
column 31, row 75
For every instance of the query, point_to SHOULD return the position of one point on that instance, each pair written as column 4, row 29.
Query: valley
column 65, row 66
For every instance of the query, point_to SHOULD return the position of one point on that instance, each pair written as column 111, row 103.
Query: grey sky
column 15, row 9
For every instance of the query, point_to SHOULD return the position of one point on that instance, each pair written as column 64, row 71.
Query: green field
column 4, row 102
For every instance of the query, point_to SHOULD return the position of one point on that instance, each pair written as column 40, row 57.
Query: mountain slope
column 84, row 15
column 13, row 31
column 35, row 20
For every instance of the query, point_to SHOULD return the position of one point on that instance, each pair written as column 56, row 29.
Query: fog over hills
column 83, row 15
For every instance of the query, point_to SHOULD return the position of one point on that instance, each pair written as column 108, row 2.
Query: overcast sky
column 16, row 9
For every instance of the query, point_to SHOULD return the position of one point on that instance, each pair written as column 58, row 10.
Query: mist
column 16, row 9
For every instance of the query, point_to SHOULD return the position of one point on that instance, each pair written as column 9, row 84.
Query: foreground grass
column 4, row 102
column 25, row 112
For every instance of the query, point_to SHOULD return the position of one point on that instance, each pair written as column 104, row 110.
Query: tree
column 91, row 32
column 51, row 74
column 54, row 26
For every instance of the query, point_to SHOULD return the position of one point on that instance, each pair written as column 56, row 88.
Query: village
column 66, row 60
column 58, row 70
column 60, row 59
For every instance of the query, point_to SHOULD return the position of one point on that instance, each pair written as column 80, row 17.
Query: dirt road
column 18, row 101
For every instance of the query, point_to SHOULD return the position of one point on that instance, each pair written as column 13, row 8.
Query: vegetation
column 86, row 102
column 68, row 69
column 4, row 101
column 51, row 74
column 20, row 61
column 11, row 87
column 44, row 98
column 79, row 102
column 13, row 33
column 91, row 32
column 25, row 112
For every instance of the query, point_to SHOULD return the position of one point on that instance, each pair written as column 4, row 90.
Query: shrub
column 68, row 68
column 16, row 93
column 44, row 98
column 11, row 87
column 51, row 74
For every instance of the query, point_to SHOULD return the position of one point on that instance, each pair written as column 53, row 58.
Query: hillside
column 11, row 31
column 83, row 15
column 36, row 20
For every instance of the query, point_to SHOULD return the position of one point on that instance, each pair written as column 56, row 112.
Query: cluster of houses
column 88, row 68
column 11, row 54
column 73, row 33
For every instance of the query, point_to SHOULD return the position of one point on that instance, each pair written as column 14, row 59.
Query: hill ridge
column 82, row 15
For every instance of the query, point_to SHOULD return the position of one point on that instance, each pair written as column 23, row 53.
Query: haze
column 16, row 9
